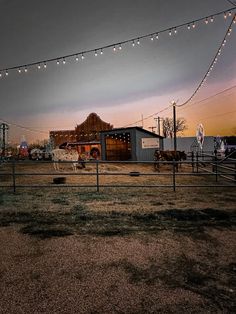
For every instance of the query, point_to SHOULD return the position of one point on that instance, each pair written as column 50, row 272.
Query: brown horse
column 168, row 155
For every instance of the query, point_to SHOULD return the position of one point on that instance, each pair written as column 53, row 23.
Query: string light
column 133, row 41
column 26, row 70
column 95, row 53
column 39, row 66
column 214, row 61
column 19, row 70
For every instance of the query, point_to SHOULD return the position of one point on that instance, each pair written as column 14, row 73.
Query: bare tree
column 168, row 126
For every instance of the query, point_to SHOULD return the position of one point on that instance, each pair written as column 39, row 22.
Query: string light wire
column 214, row 60
column 133, row 41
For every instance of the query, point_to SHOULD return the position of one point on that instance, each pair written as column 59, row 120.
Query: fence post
column 235, row 172
column 197, row 160
column 14, row 175
column 192, row 157
column 97, row 176
column 216, row 168
column 174, row 185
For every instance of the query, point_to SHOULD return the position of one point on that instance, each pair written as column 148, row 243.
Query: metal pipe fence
column 14, row 174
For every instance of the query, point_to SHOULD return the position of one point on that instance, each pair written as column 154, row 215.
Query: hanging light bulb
column 234, row 20
column 189, row 26
column 0, row 74
column 157, row 35
column 26, row 70
column 82, row 56
column 152, row 38
column 19, row 70
column 120, row 47
column 58, row 62
column 6, row 73
column 193, row 25
column 64, row 61
column 225, row 15
column 170, row 33
column 95, row 53
column 77, row 58
column 39, row 66
column 206, row 21
column 138, row 41
column 45, row 65
column 230, row 13
column 212, row 19
column 114, row 48
column 175, row 30
column 101, row 52
column 133, row 43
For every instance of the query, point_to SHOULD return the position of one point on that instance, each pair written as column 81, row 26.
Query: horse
column 59, row 154
column 168, row 155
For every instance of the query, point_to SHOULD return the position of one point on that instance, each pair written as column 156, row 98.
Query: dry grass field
column 123, row 250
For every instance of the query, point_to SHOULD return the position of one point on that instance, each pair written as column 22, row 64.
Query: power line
column 234, row 4
column 211, row 66
column 42, row 64
column 218, row 115
column 207, row 98
column 148, row 117
column 23, row 127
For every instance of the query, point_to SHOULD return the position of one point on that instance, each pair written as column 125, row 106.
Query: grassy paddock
column 135, row 250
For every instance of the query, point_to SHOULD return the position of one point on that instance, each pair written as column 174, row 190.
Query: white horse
column 65, row 155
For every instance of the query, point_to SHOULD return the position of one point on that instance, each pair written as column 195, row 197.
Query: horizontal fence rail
column 199, row 170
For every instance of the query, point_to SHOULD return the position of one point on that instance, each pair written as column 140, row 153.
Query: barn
column 134, row 143
column 85, row 137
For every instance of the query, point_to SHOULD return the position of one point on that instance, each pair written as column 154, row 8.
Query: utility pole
column 152, row 128
column 174, row 121
column 4, row 128
column 158, row 119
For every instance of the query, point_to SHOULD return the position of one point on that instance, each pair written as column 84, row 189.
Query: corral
column 70, row 249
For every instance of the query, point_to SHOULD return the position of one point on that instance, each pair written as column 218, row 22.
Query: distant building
column 85, row 136
column 86, row 132
column 132, row 143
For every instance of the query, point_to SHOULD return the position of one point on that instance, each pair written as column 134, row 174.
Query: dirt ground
column 130, row 250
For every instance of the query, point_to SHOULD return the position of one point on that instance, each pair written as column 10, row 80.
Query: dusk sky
column 122, row 86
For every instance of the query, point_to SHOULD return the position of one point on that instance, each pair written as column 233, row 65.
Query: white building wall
column 185, row 143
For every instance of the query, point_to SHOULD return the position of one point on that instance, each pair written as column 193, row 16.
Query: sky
column 124, row 87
